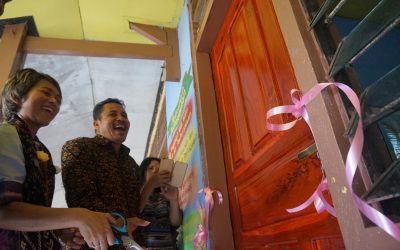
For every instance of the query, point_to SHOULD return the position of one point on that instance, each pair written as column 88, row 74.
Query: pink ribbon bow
column 353, row 156
column 200, row 239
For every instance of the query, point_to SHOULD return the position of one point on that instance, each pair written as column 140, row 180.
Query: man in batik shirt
column 98, row 173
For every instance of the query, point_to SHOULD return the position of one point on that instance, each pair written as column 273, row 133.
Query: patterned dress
column 96, row 178
column 159, row 234
column 23, row 177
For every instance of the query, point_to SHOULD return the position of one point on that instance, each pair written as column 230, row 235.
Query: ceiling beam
column 40, row 45
column 153, row 33
column 163, row 36
column 168, row 52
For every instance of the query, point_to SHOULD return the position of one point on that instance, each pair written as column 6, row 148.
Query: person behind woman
column 31, row 100
column 159, row 205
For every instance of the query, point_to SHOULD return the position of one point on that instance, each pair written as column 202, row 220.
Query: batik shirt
column 96, row 178
column 160, row 234
column 23, row 177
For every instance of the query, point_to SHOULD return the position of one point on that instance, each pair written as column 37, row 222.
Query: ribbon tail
column 378, row 218
column 321, row 204
column 319, row 200
column 303, row 205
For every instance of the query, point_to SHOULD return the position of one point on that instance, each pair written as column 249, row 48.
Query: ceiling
column 100, row 20
column 86, row 80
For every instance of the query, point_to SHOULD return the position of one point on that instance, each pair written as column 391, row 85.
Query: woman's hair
column 143, row 168
column 18, row 86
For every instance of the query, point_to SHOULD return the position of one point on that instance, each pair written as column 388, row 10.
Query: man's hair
column 144, row 166
column 98, row 109
column 18, row 86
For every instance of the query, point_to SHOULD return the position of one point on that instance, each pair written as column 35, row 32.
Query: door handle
column 307, row 151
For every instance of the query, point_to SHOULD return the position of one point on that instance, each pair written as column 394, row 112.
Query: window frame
column 375, row 159
column 328, row 118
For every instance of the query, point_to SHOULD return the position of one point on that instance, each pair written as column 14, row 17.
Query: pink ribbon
column 200, row 238
column 298, row 110
column 353, row 156
column 320, row 203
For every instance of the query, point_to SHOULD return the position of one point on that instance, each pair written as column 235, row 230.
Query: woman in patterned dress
column 31, row 100
column 159, row 205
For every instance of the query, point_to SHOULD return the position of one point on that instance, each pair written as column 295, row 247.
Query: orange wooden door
column 252, row 74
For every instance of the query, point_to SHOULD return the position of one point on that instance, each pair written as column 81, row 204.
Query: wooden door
column 253, row 73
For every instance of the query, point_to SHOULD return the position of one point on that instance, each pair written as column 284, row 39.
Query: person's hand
column 169, row 192
column 160, row 178
column 134, row 222
column 71, row 238
column 96, row 229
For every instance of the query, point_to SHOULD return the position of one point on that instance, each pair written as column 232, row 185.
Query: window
column 361, row 42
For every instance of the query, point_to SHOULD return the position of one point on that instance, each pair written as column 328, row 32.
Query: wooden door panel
column 233, row 104
column 254, row 100
column 279, row 148
column 278, row 56
column 289, row 245
column 264, row 198
column 265, row 177
column 328, row 243
column 310, row 238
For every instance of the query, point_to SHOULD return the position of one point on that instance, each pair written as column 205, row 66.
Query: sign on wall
column 183, row 138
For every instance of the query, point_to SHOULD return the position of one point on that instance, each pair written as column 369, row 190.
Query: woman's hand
column 169, row 192
column 71, row 238
column 95, row 228
column 161, row 178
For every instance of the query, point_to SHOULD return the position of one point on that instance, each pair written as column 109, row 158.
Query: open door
column 253, row 73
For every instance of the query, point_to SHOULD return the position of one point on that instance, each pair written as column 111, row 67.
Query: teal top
column 11, row 157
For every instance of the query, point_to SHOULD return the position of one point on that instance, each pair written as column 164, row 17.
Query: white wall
column 85, row 81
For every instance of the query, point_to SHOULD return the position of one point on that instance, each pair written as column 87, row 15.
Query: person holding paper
column 98, row 173
column 31, row 100
column 159, row 205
